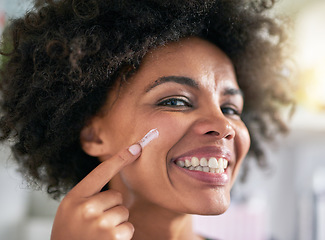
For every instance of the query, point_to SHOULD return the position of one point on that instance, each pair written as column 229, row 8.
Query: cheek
column 242, row 141
column 242, row 144
column 171, row 128
column 150, row 170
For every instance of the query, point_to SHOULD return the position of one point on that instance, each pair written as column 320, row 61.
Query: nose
column 216, row 125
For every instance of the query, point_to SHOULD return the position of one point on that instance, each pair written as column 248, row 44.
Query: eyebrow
column 177, row 79
column 233, row 92
column 192, row 83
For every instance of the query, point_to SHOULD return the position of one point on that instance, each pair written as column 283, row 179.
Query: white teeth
column 225, row 163
column 198, row 168
column 187, row 163
column 213, row 163
column 203, row 162
column 220, row 163
column 180, row 163
column 206, row 169
column 220, row 170
column 195, row 162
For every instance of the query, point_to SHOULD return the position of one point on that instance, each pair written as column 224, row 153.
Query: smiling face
column 188, row 91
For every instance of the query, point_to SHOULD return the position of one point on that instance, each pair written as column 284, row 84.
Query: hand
column 86, row 213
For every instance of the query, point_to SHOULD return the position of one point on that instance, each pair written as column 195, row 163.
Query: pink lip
column 218, row 179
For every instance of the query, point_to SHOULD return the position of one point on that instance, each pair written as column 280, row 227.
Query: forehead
column 192, row 57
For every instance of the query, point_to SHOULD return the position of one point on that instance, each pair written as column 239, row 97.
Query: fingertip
column 135, row 149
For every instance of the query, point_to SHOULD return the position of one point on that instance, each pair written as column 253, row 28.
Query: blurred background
column 285, row 202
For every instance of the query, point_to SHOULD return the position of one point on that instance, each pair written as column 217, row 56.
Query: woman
column 86, row 80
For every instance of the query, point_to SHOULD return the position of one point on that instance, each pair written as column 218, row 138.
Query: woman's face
column 188, row 91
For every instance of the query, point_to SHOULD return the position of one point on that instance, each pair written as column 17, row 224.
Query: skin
column 152, row 193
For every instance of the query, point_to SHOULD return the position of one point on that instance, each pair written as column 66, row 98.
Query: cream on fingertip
column 151, row 135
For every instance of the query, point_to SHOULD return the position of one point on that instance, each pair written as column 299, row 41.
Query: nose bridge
column 213, row 122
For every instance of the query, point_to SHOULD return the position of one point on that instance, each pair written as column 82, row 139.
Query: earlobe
column 91, row 142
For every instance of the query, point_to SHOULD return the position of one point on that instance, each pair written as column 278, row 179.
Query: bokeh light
column 310, row 56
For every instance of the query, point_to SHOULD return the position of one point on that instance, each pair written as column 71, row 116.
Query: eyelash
column 170, row 102
column 233, row 110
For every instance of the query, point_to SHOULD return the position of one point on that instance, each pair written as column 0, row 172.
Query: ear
column 90, row 140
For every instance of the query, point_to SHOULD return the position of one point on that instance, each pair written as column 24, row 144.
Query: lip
column 217, row 179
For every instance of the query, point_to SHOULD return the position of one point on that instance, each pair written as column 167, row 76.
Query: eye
column 175, row 102
column 228, row 110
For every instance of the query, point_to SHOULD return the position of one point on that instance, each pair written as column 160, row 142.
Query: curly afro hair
column 61, row 59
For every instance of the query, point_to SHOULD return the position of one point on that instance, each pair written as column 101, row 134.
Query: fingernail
column 151, row 135
column 135, row 149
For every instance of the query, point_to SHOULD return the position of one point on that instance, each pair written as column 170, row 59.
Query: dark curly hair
column 60, row 60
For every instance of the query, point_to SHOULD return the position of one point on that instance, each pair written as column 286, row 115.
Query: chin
column 214, row 206
column 210, row 212
column 216, row 211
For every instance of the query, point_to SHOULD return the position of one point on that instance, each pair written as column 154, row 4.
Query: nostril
column 229, row 137
column 213, row 133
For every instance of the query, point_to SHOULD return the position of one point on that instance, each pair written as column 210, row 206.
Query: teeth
column 203, row 162
column 220, row 163
column 213, row 165
column 195, row 161
column 205, row 169
column 187, row 163
column 180, row 163
column 225, row 163
column 198, row 168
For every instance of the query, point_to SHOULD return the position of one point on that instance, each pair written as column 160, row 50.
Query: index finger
column 104, row 172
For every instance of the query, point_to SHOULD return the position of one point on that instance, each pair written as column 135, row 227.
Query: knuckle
column 117, row 195
column 129, row 226
column 117, row 233
column 103, row 224
column 88, row 210
column 123, row 211
column 125, row 233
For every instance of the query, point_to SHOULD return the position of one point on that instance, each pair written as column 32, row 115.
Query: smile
column 212, row 164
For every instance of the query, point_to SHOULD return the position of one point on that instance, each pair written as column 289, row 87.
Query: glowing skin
column 187, row 90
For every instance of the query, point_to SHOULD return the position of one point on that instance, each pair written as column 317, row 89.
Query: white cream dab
column 151, row 135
